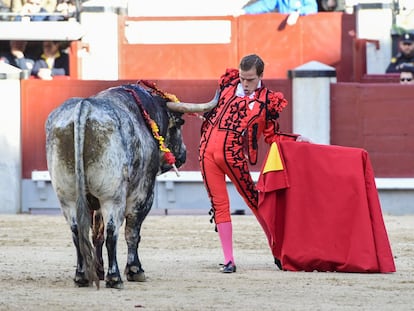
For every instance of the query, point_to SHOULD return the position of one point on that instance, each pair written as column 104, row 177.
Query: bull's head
column 174, row 134
column 174, row 141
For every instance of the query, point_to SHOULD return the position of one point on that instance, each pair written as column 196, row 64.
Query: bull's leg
column 113, row 277
column 80, row 276
column 134, row 220
column 69, row 212
column 98, row 241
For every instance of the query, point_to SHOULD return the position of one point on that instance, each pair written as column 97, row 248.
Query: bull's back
column 105, row 153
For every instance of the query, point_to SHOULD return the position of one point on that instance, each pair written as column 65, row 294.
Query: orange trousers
column 221, row 154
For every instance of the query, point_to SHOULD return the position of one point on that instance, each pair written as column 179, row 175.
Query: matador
column 229, row 142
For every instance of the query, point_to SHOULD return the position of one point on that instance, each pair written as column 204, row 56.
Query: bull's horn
column 192, row 107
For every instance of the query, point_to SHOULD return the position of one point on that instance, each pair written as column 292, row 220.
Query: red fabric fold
column 329, row 217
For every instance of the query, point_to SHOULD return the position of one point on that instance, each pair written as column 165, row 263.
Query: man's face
column 406, row 78
column 35, row 5
column 407, row 48
column 18, row 45
column 50, row 48
column 249, row 80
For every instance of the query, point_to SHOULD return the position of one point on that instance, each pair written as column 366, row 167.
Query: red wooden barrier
column 381, row 78
column 176, row 60
column 324, row 37
column 378, row 118
column 373, row 116
column 40, row 97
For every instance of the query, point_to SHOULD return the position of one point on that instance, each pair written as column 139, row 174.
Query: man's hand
column 303, row 139
column 45, row 74
column 292, row 18
column 17, row 53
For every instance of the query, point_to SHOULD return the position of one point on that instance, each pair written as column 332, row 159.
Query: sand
column 181, row 255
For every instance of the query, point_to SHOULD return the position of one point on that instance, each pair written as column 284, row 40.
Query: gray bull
column 103, row 160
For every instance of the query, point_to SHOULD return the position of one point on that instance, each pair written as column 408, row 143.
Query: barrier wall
column 378, row 118
column 40, row 97
column 152, row 48
column 372, row 116
column 171, row 193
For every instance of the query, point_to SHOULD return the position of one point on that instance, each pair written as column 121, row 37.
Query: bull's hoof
column 135, row 274
column 116, row 285
column 80, row 280
column 137, row 277
column 114, row 282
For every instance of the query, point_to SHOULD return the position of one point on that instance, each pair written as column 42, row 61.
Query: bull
column 103, row 156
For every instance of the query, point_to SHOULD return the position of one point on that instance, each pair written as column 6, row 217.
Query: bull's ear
column 193, row 107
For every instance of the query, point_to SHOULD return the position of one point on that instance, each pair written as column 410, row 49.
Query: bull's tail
column 83, row 214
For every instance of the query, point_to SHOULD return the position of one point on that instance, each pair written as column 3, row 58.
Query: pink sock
column 225, row 231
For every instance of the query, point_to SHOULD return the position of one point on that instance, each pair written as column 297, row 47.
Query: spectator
column 34, row 10
column 407, row 74
column 229, row 138
column 50, row 5
column 327, row 5
column 53, row 62
column 294, row 8
column 405, row 54
column 12, row 5
column 3, row 9
column 15, row 6
column 66, row 9
column 16, row 57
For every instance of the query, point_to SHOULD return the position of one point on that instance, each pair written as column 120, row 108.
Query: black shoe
column 228, row 268
column 239, row 212
column 278, row 263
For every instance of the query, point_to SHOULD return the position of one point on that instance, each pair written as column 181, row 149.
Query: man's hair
column 252, row 61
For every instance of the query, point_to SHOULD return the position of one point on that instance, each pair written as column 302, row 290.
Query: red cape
column 322, row 211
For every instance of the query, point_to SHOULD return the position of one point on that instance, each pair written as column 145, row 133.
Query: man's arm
column 261, row 6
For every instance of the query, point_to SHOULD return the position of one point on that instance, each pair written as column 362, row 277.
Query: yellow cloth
column 50, row 61
column 273, row 161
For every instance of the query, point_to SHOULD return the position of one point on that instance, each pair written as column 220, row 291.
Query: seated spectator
column 407, row 74
column 34, row 10
column 16, row 57
column 49, row 5
column 294, row 8
column 53, row 62
column 3, row 9
column 66, row 9
column 327, row 5
column 14, row 6
column 405, row 54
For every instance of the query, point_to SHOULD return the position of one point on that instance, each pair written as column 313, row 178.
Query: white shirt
column 240, row 93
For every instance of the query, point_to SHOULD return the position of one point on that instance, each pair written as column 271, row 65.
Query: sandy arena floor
column 180, row 255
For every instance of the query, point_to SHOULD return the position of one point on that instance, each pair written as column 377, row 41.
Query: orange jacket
column 262, row 119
